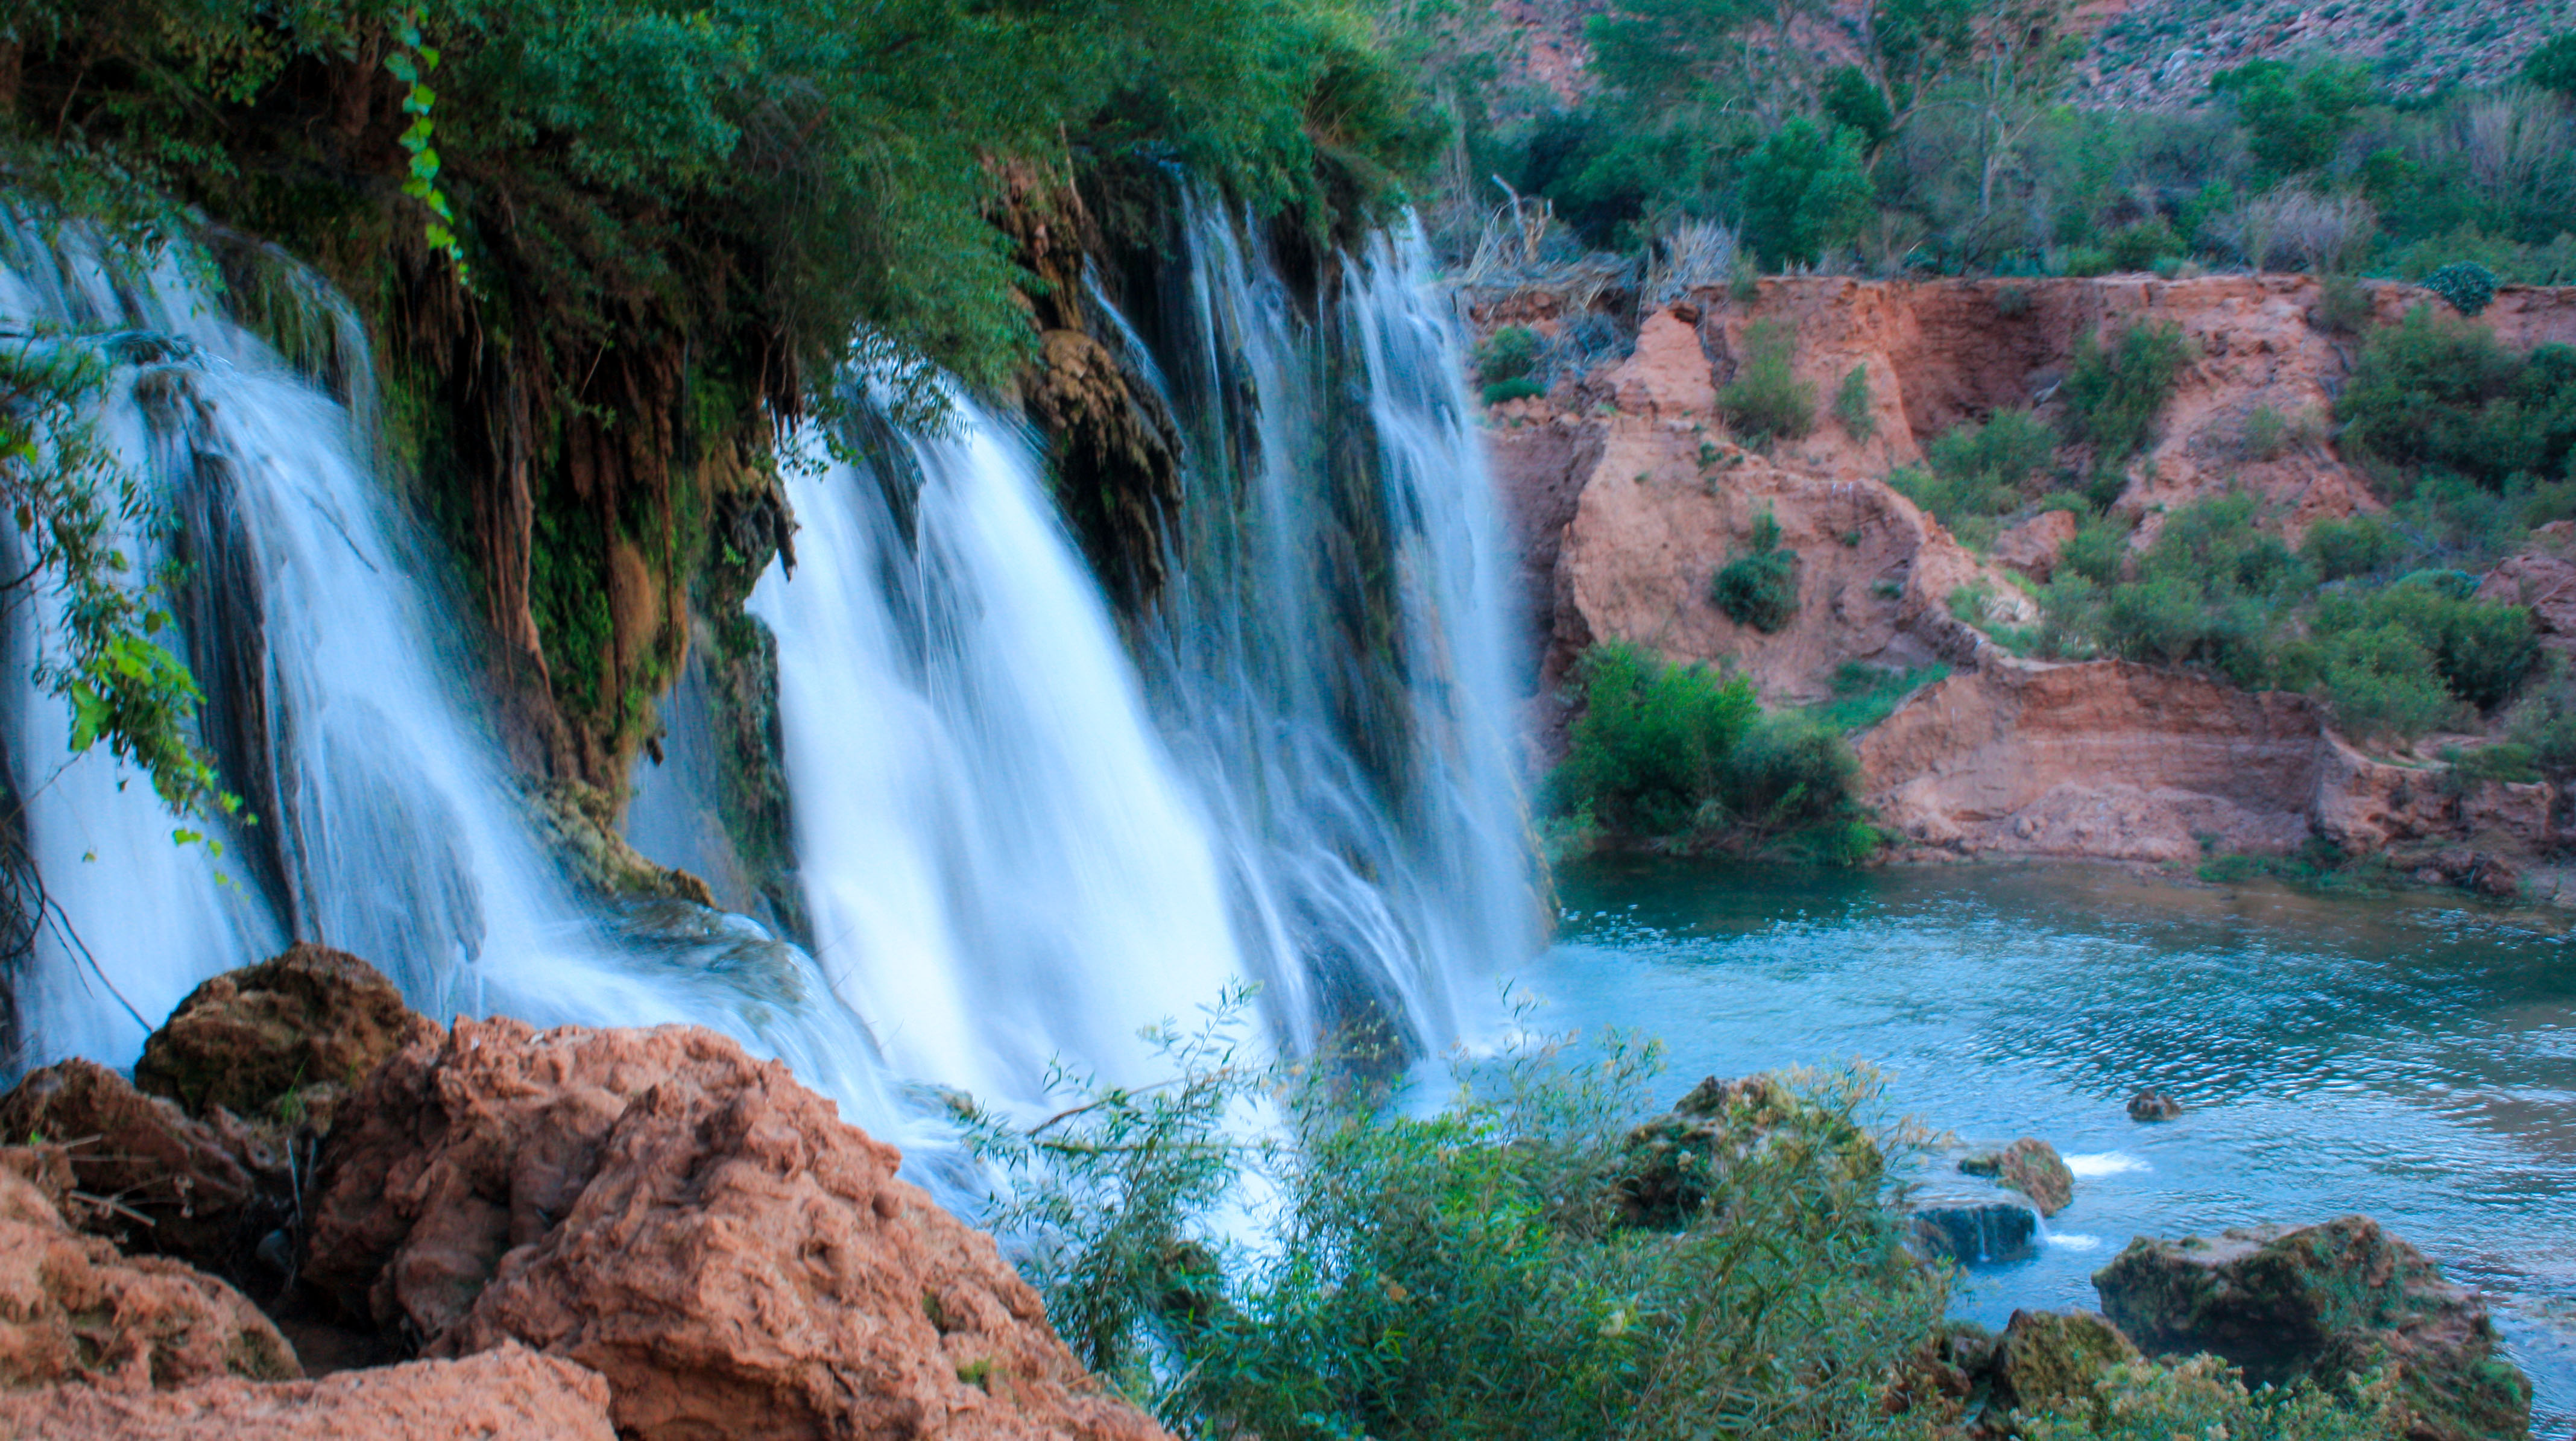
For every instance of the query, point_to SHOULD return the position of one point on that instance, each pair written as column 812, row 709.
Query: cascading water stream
column 1018, row 843
column 384, row 825
column 1018, row 839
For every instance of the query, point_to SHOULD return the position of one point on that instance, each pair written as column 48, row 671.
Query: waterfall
column 384, row 825
column 1018, row 841
column 1333, row 649
column 1023, row 830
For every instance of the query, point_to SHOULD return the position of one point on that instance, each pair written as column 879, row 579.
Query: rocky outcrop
column 2103, row 759
column 2030, row 1166
column 1675, row 1162
column 579, row 822
column 507, row 1394
column 73, row 1310
column 298, row 1032
column 695, row 1227
column 1630, row 484
column 183, row 1187
column 2325, row 1303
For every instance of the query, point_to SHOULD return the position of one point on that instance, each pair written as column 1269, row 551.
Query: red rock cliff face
column 1630, row 493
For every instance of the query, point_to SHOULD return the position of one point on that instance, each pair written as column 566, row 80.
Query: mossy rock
column 280, row 1041
column 2053, row 1361
column 2325, row 1303
column 1674, row 1161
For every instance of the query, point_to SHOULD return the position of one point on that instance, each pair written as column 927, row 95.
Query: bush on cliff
column 1469, row 1272
column 2118, row 388
column 1760, row 587
column 2217, row 592
column 1979, row 473
column 2439, row 393
column 1681, row 755
column 1766, row 400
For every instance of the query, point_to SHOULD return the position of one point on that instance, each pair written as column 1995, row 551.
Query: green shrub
column 1473, row 1271
column 1681, row 754
column 2201, row 1398
column 2379, row 682
column 2438, row 392
column 1521, row 388
column 1653, row 741
column 2267, row 435
column 1979, row 472
column 2481, row 650
column 2344, row 305
column 2512, row 762
column 1865, row 694
column 1507, row 354
column 2551, row 65
column 1760, row 587
column 1854, row 406
column 1806, row 192
column 1766, row 400
column 2115, row 393
column 2365, row 545
column 2467, row 285
column 2140, row 246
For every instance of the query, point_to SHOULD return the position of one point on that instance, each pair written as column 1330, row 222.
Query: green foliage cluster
column 1504, row 363
column 2437, row 393
column 1682, row 755
column 2200, row 1397
column 77, row 511
column 1766, row 401
column 1865, row 694
column 2392, row 657
column 1760, row 587
column 2116, row 390
column 1854, row 406
column 1468, row 1271
column 2467, row 285
column 1980, row 472
column 1937, row 138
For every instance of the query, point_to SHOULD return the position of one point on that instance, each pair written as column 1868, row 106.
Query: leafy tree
column 1806, row 191
column 2294, row 117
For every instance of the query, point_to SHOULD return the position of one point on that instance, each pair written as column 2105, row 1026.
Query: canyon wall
column 1628, row 492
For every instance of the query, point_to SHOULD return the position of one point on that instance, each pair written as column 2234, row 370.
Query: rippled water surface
column 2411, row 1060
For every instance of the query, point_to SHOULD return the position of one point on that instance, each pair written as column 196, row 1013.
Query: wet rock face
column 1977, row 1235
column 694, row 1226
column 1675, row 1160
column 2032, row 1167
column 504, row 1393
column 72, row 1310
column 308, row 1024
column 2325, row 1302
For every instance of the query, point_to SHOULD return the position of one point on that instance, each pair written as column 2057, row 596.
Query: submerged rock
column 2153, row 1105
column 1674, row 1161
column 283, row 1040
column 507, row 1394
column 691, row 1224
column 1990, row 1234
column 2047, row 1360
column 73, row 1310
column 2325, row 1303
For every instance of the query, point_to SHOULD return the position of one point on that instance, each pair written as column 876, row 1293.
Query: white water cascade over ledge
column 1015, row 842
